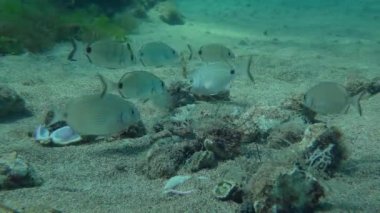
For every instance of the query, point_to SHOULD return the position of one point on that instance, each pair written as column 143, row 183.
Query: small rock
column 228, row 190
column 322, row 149
column 355, row 84
column 256, row 121
column 275, row 189
column 180, row 93
column 202, row 160
column 224, row 142
column 286, row 134
column 374, row 86
column 170, row 14
column 16, row 173
column 10, row 102
column 164, row 161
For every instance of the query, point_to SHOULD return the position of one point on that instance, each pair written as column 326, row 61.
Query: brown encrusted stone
column 16, row 173
column 225, row 142
column 282, row 189
column 10, row 102
column 165, row 160
column 170, row 14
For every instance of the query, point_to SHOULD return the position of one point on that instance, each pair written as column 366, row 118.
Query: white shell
column 65, row 136
column 173, row 182
column 41, row 133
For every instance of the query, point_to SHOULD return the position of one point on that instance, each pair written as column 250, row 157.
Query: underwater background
column 258, row 146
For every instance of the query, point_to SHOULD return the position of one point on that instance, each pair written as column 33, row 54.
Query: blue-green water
column 256, row 136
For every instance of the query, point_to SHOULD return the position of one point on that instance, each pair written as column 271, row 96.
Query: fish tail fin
column 130, row 49
column 250, row 76
column 107, row 85
column 71, row 55
column 184, row 63
column 190, row 51
column 356, row 101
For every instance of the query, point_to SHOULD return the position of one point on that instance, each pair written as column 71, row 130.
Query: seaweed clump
column 36, row 25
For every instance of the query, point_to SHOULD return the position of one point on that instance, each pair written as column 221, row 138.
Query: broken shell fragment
column 65, row 136
column 224, row 190
column 61, row 136
column 41, row 133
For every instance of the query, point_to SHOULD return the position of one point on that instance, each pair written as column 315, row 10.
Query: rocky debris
column 202, row 160
column 10, row 102
column 228, row 190
column 374, row 86
column 170, row 14
column 180, row 94
column 16, row 173
column 322, row 149
column 279, row 189
column 286, row 133
column 355, row 84
column 224, row 142
column 164, row 161
column 255, row 123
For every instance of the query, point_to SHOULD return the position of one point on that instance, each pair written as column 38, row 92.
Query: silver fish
column 330, row 98
column 212, row 78
column 141, row 85
column 96, row 115
column 110, row 54
column 215, row 52
column 157, row 54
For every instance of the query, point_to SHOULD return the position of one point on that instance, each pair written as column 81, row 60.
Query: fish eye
column 132, row 112
column 200, row 52
column 229, row 53
column 132, row 57
column 232, row 72
column 120, row 85
column 173, row 51
column 88, row 49
column 162, row 84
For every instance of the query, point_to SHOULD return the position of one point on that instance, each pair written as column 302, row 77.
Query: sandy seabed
column 293, row 48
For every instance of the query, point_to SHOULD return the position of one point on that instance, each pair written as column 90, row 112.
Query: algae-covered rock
column 16, row 173
column 286, row 134
column 202, row 160
column 256, row 121
column 164, row 161
column 276, row 189
column 374, row 86
column 322, row 148
column 10, row 102
column 227, row 190
column 224, row 142
column 170, row 14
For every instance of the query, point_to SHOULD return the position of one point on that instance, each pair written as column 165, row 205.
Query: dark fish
column 157, row 54
column 330, row 98
column 215, row 52
column 110, row 54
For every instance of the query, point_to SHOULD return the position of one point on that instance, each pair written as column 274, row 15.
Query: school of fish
column 107, row 113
